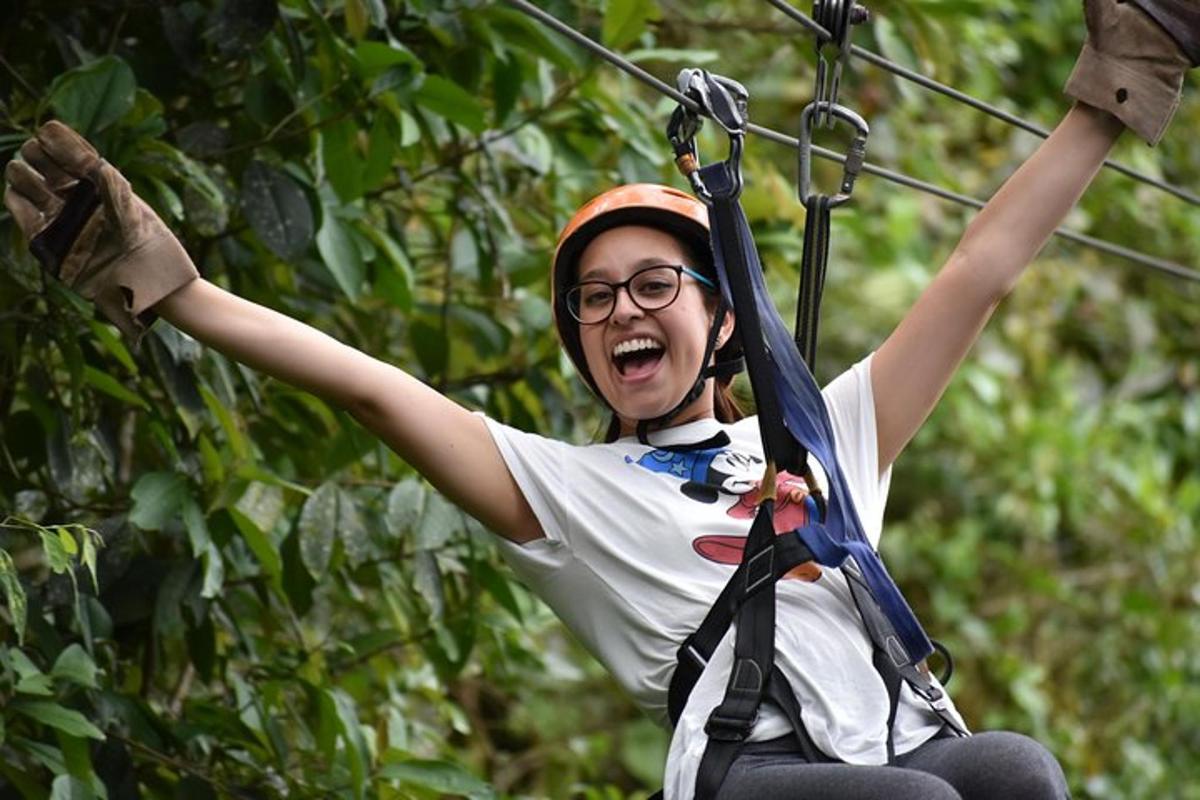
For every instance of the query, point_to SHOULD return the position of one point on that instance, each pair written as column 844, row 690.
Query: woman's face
column 668, row 343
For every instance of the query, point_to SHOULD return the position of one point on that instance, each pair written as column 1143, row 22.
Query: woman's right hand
column 88, row 228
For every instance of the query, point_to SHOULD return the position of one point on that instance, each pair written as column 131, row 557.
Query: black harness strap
column 813, row 266
column 892, row 660
column 730, row 723
column 787, row 552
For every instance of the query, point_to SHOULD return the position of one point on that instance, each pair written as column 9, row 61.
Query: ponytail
column 725, row 406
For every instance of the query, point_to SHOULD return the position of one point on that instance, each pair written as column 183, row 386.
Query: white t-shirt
column 640, row 541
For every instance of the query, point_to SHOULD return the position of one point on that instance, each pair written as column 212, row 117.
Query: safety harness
column 794, row 423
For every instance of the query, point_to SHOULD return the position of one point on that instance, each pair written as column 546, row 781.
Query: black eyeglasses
column 650, row 288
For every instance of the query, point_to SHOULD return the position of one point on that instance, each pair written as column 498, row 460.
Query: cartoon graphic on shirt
column 707, row 474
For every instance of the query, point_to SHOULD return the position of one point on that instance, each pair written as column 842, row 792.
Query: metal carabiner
column 855, row 156
column 724, row 101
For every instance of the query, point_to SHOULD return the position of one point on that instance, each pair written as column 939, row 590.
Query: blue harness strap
column 806, row 427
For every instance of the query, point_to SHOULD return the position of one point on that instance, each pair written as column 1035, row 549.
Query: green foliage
column 282, row 608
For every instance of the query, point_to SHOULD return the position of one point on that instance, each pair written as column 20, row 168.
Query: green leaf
column 233, row 433
column 427, row 580
column 624, row 20
column 258, row 541
column 499, row 587
column 112, row 387
column 39, row 684
column 439, row 522
column 59, row 717
column 449, row 100
column 94, row 96
column 277, row 209
column 113, row 344
column 318, row 529
column 375, row 57
column 196, row 526
column 14, row 594
column 356, row 18
column 75, row 665
column 57, row 556
column 342, row 161
column 214, row 572
column 352, row 529
column 395, row 283
column 506, row 87
column 357, row 751
column 429, row 343
column 439, row 776
column 158, row 498
column 340, row 254
column 68, row 787
column 405, row 502
column 91, row 543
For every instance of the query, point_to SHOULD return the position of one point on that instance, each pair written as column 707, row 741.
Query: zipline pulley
column 838, row 17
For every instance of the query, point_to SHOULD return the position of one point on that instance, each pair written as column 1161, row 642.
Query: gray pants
column 993, row 765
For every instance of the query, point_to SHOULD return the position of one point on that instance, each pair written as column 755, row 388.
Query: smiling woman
column 614, row 238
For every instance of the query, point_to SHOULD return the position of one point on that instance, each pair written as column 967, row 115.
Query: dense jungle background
column 215, row 586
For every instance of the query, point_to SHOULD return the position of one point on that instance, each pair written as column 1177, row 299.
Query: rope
column 1153, row 262
column 954, row 94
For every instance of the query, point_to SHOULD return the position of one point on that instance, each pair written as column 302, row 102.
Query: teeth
column 633, row 345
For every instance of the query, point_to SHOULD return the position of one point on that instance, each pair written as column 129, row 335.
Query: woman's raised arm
column 428, row 430
column 913, row 366
column 91, row 231
column 1129, row 75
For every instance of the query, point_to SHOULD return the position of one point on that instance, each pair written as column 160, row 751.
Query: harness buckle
column 760, row 570
column 729, row 728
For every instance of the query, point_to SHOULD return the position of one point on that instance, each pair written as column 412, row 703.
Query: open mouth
column 636, row 358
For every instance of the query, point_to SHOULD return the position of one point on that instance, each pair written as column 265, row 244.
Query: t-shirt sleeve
column 540, row 467
column 851, row 404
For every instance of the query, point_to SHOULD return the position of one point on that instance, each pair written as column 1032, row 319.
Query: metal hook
column 855, row 156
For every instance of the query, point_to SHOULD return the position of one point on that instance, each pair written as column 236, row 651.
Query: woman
column 630, row 542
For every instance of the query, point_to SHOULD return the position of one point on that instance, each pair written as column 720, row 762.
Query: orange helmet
column 663, row 207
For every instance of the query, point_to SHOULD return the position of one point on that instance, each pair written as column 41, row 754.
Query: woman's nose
column 623, row 306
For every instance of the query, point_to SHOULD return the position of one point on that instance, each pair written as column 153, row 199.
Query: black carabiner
column 855, row 156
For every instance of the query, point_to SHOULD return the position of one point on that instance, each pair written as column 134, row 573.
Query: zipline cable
column 929, row 83
column 1153, row 262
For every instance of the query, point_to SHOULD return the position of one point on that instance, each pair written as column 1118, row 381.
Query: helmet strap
column 706, row 372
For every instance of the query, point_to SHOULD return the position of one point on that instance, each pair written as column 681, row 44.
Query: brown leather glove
column 1134, row 60
column 89, row 230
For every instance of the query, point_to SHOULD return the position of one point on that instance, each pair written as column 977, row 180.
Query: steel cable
column 929, row 83
column 1153, row 262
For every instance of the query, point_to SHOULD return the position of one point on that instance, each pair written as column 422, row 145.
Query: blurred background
column 212, row 585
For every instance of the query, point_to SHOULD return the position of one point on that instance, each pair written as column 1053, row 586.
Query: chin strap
column 718, row 370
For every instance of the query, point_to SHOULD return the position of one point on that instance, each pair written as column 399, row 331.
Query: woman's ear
column 727, row 326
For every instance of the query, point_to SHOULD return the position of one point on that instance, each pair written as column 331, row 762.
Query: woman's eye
column 598, row 296
column 654, row 287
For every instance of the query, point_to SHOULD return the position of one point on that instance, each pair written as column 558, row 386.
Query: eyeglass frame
column 679, row 270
